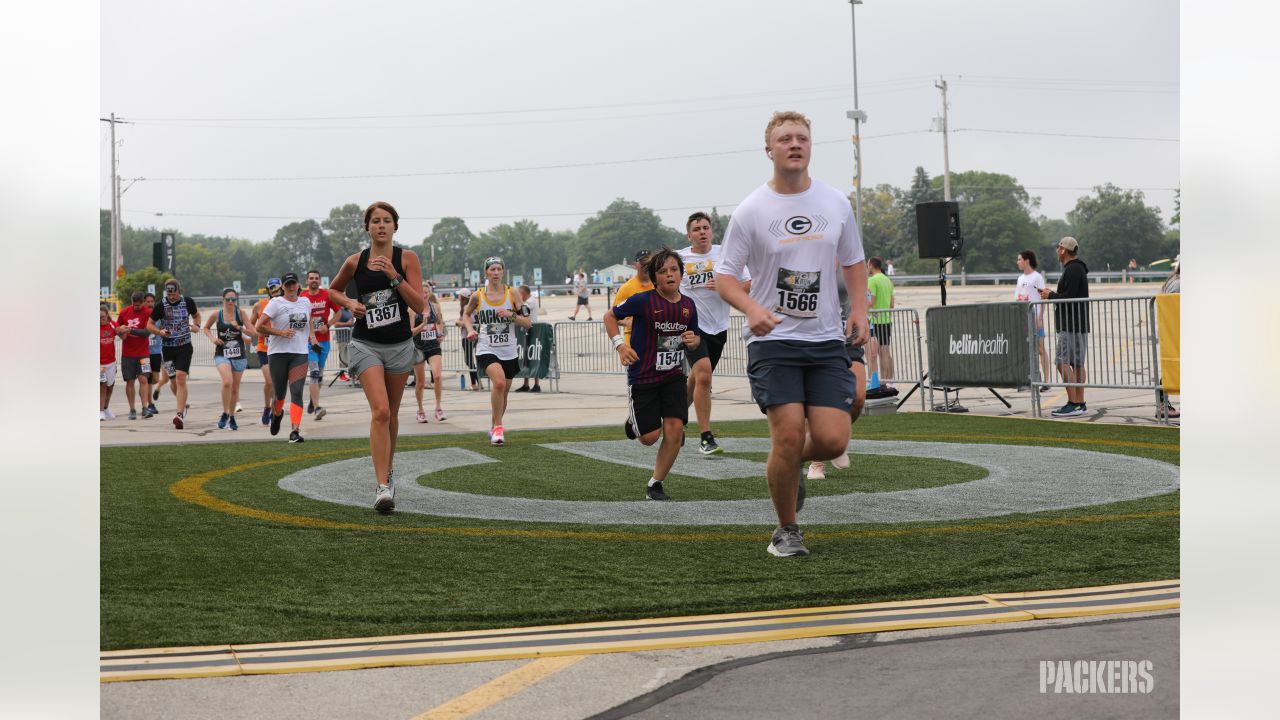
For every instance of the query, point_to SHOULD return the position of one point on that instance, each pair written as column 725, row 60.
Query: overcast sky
column 464, row 108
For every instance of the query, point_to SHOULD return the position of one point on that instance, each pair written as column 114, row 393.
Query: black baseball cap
column 641, row 255
column 288, row 278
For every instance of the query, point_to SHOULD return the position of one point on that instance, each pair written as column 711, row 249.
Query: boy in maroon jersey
column 664, row 325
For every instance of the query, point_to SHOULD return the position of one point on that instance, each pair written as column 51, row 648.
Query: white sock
column 653, row 481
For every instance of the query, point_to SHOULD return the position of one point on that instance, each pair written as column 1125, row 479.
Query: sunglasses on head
column 171, row 288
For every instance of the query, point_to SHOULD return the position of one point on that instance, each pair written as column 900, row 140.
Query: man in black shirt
column 1072, row 322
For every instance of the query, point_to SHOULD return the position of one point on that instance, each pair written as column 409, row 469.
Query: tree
column 139, row 280
column 719, row 225
column 995, row 219
column 882, row 232
column 617, row 232
column 200, row 271
column 448, row 244
column 300, row 245
column 1115, row 225
column 1051, row 231
column 344, row 236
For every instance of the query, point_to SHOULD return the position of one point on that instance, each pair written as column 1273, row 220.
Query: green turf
column 537, row 476
column 174, row 573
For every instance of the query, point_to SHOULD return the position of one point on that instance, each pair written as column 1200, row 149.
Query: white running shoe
column 384, row 500
column 817, row 471
column 842, row 462
column 108, row 415
column 495, row 436
column 102, row 414
column 238, row 407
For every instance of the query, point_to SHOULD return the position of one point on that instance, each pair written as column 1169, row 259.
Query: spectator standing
column 881, row 289
column 530, row 309
column 1028, row 288
column 1072, row 322
column 135, row 354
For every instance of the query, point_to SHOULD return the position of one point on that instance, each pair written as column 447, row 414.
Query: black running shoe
column 654, row 492
column 629, row 429
column 275, row 423
column 295, row 437
column 310, row 408
column 708, row 446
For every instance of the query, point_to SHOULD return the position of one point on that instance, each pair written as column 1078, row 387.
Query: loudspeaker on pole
column 938, row 230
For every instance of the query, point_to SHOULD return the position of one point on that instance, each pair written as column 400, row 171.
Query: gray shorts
column 394, row 359
column 791, row 371
column 1071, row 349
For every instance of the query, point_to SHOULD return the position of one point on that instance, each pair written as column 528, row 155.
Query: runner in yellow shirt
column 637, row 284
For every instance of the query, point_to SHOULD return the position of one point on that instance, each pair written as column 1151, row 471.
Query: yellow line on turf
column 500, row 688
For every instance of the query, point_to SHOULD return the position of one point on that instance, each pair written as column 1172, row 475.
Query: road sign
column 517, row 280
column 537, row 276
column 151, row 288
column 324, row 281
column 475, row 277
column 236, row 285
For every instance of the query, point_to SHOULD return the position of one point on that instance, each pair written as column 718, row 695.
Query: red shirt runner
column 134, row 346
column 321, row 307
column 107, row 337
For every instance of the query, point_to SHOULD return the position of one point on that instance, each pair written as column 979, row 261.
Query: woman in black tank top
column 230, row 351
column 389, row 279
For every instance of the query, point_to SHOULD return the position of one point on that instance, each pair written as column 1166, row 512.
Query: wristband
column 396, row 281
column 617, row 341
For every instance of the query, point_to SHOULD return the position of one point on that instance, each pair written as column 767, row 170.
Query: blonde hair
column 783, row 116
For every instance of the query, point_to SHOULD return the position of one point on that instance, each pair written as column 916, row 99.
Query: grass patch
column 175, row 573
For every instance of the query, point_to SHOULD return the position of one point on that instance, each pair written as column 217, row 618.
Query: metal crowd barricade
column 581, row 348
column 905, row 351
column 1122, row 350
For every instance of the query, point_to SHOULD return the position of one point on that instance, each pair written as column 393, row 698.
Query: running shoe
column 110, row 415
column 800, row 494
column 320, row 413
column 842, row 462
column 239, row 408
column 422, row 416
column 384, row 500
column 102, row 414
column 495, row 436
column 654, row 492
column 629, row 429
column 155, row 396
column 295, row 437
column 310, row 408
column 440, row 415
column 146, row 412
column 152, row 408
column 708, row 445
column 133, row 414
column 1068, row 410
column 523, row 388
column 222, row 421
column 177, row 422
column 1044, row 389
column 231, row 423
column 275, row 423
column 788, row 541
column 266, row 416
column 817, row 471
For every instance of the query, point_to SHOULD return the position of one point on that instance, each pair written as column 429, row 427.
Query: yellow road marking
column 500, row 688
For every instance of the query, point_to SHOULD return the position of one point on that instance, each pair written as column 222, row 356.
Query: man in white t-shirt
column 581, row 289
column 792, row 232
column 698, row 281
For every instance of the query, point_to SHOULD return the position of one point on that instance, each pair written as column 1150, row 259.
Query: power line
column 1070, row 135
column 640, row 211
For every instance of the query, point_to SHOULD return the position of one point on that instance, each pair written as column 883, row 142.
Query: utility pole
column 946, row 153
column 116, row 259
column 858, row 117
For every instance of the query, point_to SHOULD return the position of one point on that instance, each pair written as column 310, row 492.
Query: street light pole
column 857, row 116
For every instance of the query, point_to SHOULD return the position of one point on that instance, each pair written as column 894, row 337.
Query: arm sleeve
column 736, row 247
column 157, row 312
column 630, row 308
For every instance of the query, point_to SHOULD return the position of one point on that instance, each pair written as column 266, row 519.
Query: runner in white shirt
column 791, row 232
column 286, row 321
column 698, row 281
column 1030, row 283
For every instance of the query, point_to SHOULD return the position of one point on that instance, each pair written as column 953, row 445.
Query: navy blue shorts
column 791, row 371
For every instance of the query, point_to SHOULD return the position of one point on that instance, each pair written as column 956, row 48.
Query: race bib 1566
column 798, row 292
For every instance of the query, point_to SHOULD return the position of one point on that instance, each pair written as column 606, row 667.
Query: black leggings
column 288, row 369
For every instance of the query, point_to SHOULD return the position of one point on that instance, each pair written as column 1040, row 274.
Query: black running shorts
column 649, row 404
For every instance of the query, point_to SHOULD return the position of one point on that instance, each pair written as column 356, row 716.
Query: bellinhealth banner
column 979, row 345
column 535, row 350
